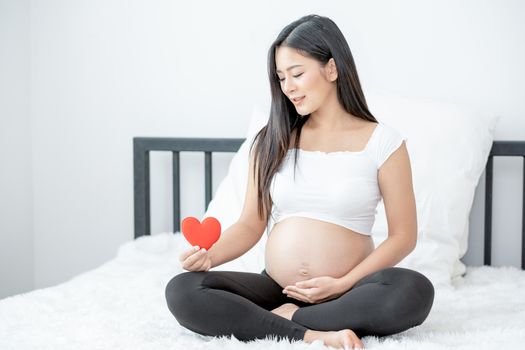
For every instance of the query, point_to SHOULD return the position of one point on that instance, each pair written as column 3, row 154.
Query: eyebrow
column 295, row 65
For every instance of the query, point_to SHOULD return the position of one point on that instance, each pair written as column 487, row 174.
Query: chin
column 303, row 113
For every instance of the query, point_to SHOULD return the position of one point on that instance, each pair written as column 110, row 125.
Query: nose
column 288, row 87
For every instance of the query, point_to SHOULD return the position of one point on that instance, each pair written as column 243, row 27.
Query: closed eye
column 295, row 76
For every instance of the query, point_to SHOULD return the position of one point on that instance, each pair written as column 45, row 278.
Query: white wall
column 16, row 187
column 102, row 72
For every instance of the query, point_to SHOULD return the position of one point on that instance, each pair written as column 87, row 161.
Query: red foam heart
column 203, row 235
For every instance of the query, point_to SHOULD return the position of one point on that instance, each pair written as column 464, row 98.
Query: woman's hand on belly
column 315, row 290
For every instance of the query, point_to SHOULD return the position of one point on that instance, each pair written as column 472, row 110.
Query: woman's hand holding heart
column 199, row 234
column 195, row 259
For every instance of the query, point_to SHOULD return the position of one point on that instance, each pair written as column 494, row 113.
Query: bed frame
column 141, row 165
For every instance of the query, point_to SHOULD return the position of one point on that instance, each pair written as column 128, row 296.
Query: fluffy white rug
column 121, row 305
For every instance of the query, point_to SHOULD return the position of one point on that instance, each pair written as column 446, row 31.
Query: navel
column 303, row 272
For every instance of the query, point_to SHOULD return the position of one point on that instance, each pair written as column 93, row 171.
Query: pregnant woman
column 318, row 168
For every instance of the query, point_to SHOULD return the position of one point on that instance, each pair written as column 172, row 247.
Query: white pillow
column 448, row 147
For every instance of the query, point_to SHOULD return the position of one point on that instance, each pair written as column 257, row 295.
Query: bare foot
column 286, row 310
column 343, row 339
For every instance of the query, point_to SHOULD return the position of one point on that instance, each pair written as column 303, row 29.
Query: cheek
column 322, row 90
column 308, row 84
column 312, row 89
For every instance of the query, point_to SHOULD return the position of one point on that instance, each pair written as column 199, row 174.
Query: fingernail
column 203, row 250
column 196, row 248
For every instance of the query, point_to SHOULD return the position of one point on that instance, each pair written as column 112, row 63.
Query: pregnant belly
column 300, row 248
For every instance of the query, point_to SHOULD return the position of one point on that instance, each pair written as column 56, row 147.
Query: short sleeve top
column 339, row 187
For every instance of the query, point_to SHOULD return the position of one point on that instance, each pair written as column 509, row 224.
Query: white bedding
column 121, row 305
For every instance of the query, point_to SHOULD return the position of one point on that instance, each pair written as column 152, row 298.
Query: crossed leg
column 230, row 303
column 386, row 302
column 241, row 304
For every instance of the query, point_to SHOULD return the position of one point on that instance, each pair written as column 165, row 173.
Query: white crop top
column 338, row 187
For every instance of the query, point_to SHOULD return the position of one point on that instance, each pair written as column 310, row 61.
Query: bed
column 121, row 305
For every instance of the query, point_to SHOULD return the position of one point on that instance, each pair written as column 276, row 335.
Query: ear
column 331, row 70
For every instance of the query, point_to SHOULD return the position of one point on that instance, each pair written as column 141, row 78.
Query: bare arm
column 395, row 181
column 234, row 242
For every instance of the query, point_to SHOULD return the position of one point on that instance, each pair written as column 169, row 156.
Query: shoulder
column 388, row 134
column 388, row 140
column 389, row 130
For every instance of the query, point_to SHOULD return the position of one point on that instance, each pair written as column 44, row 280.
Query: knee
column 414, row 288
column 178, row 291
column 420, row 288
column 408, row 279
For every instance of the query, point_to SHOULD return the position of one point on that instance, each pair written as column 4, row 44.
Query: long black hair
column 319, row 38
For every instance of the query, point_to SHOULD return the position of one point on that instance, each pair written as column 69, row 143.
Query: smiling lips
column 297, row 100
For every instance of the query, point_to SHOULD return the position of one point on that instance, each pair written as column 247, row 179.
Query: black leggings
column 224, row 303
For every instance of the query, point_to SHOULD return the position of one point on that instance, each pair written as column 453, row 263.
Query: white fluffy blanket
column 121, row 305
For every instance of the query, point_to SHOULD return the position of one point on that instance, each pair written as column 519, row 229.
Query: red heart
column 203, row 235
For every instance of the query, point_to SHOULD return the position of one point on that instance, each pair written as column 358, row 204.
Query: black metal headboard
column 143, row 145
column 141, row 167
